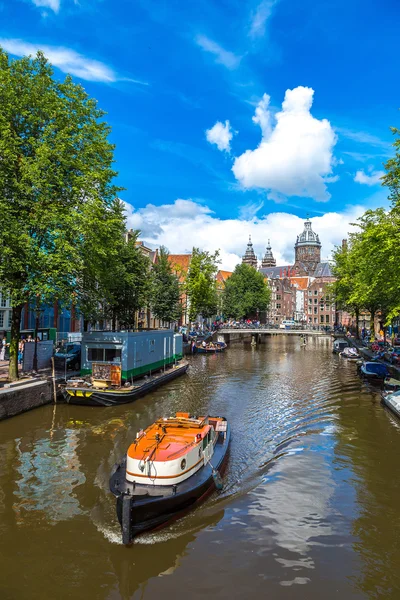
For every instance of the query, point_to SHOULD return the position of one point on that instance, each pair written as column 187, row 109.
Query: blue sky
column 167, row 72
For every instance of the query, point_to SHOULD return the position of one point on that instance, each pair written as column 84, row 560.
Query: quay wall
column 21, row 398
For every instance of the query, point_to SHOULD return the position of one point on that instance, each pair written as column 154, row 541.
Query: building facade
column 299, row 291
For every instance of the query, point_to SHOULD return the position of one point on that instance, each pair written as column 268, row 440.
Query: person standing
column 3, row 349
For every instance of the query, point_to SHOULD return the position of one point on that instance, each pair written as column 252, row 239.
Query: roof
column 180, row 263
column 323, row 270
column 222, row 276
column 275, row 272
column 301, row 283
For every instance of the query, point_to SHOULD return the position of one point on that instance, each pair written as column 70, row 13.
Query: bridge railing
column 267, row 327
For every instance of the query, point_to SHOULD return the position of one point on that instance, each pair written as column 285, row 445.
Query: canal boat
column 118, row 367
column 392, row 401
column 102, row 392
column 172, row 465
column 374, row 371
column 210, row 348
column 391, row 384
column 339, row 345
column 350, row 354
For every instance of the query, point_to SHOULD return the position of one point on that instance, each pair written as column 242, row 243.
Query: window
column 322, row 318
column 113, row 355
column 327, row 319
column 278, row 306
column 95, row 354
column 3, row 302
column 152, row 345
column 315, row 300
column 278, row 297
column 315, row 320
column 315, row 292
column 2, row 318
column 315, row 310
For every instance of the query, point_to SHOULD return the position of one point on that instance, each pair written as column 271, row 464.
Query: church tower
column 249, row 257
column 268, row 260
column 307, row 251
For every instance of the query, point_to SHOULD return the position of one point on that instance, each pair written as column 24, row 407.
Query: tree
column 55, row 169
column 201, row 286
column 246, row 293
column 166, row 291
column 131, row 285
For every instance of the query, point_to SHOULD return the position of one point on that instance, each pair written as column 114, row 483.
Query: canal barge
column 118, row 367
column 172, row 465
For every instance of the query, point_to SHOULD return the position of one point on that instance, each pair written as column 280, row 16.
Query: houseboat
column 118, row 367
column 169, row 467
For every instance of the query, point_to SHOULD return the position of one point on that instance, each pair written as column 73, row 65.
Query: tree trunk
column 357, row 312
column 86, row 324
column 35, row 357
column 15, row 333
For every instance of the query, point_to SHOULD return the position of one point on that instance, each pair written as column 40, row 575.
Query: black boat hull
column 143, row 507
column 91, row 397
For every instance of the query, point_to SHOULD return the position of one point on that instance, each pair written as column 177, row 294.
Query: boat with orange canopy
column 171, row 465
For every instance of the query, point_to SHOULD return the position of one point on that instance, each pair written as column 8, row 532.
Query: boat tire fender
column 126, row 520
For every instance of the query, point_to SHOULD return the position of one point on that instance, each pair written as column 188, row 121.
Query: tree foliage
column 56, row 178
column 201, row 286
column 166, row 291
column 367, row 269
column 246, row 293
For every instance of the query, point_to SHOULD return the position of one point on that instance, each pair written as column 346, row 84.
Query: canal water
column 310, row 507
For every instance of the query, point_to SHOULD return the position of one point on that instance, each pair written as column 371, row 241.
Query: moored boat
column 350, row 353
column 392, row 401
column 339, row 345
column 95, row 394
column 169, row 467
column 392, row 384
column 374, row 371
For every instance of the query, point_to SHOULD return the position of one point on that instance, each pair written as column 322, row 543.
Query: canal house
column 125, row 355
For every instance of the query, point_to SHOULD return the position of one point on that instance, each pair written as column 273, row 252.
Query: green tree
column 55, row 167
column 131, row 286
column 166, row 290
column 246, row 293
column 201, row 286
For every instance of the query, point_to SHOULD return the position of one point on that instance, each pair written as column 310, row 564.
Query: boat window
column 95, row 354
column 204, row 442
column 113, row 355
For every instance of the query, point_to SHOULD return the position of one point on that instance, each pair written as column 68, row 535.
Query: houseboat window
column 113, row 355
column 95, row 354
column 152, row 344
column 205, row 442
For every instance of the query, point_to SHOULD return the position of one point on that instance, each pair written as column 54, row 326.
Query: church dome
column 308, row 237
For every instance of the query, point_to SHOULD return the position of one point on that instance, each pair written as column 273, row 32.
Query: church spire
column 268, row 260
column 249, row 257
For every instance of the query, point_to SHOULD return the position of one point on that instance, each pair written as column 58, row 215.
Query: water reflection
column 48, row 471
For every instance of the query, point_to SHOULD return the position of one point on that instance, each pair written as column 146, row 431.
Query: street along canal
column 310, row 506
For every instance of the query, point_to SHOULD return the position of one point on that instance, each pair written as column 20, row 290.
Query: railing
column 271, row 327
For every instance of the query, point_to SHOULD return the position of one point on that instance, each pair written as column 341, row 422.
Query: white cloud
column 373, row 179
column 66, row 60
column 260, row 17
column 220, row 135
column 294, row 157
column 185, row 223
column 222, row 56
column 54, row 5
column 362, row 137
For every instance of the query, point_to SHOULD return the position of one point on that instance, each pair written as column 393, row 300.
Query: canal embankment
column 21, row 396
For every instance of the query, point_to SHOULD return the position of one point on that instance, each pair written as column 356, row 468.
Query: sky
column 232, row 117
